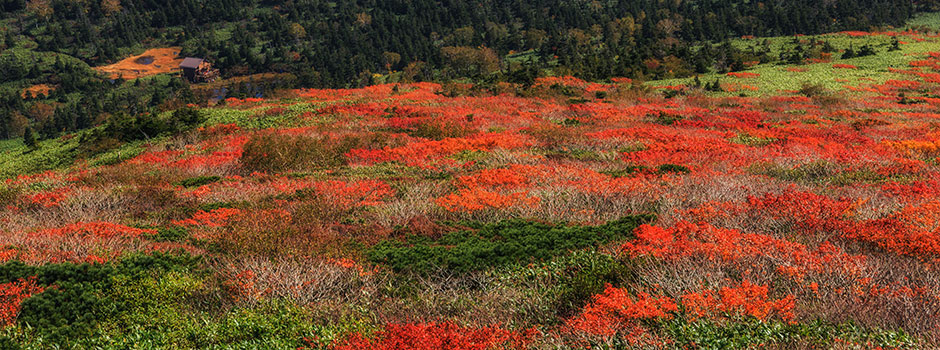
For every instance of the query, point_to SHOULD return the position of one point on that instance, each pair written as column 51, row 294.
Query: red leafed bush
column 746, row 300
column 437, row 336
column 615, row 311
column 844, row 66
column 214, row 218
column 52, row 198
column 12, row 294
column 475, row 199
column 743, row 74
column 732, row 246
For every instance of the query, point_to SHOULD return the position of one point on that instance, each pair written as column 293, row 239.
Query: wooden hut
column 198, row 70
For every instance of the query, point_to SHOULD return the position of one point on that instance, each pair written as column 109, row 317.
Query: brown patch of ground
column 153, row 61
column 35, row 90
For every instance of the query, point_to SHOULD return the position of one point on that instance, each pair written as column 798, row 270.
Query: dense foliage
column 498, row 245
column 51, row 45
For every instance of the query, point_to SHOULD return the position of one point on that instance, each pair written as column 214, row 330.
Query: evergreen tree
column 29, row 139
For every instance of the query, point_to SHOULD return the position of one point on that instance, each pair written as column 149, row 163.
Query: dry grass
column 36, row 90
column 165, row 60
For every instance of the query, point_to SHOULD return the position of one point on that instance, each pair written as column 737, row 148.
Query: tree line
column 349, row 43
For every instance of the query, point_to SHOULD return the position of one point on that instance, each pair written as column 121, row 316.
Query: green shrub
column 663, row 118
column 627, row 171
column 586, row 275
column 8, row 194
column 813, row 90
column 126, row 128
column 706, row 334
column 170, row 234
column 80, row 300
column 198, row 181
column 8, row 344
column 673, row 168
column 506, row 242
column 439, row 129
column 272, row 326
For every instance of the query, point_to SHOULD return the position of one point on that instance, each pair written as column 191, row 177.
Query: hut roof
column 191, row 62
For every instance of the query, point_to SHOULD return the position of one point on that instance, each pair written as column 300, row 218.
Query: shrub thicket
column 506, row 242
column 80, row 300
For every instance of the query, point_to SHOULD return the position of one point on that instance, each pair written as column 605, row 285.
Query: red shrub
column 746, row 300
column 12, row 294
column 615, row 311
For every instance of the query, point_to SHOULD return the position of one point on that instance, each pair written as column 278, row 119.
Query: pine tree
column 895, row 44
column 29, row 139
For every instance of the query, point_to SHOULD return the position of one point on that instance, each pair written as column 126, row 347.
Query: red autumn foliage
column 748, row 300
column 793, row 259
column 95, row 230
column 12, row 295
column 615, row 311
column 743, row 75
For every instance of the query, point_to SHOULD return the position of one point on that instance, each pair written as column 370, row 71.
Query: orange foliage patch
column 164, row 60
column 36, row 90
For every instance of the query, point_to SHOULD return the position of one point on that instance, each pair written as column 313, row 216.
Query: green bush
column 662, row 169
column 170, row 234
column 80, row 299
column 8, row 194
column 506, row 242
column 673, row 168
column 627, row 171
column 126, row 128
column 663, row 118
column 198, row 181
column 586, row 275
column 706, row 334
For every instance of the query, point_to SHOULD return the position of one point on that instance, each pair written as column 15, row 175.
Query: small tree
column 895, row 44
column 29, row 139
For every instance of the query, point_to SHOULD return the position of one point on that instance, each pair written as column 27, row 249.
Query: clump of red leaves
column 615, row 311
column 742, row 301
column 12, row 295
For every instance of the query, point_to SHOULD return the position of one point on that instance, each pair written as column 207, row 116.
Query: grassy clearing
column 777, row 79
column 51, row 154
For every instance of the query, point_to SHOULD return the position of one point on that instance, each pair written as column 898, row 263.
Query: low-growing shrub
column 663, row 118
column 584, row 276
column 707, row 334
column 673, row 168
column 79, row 300
column 275, row 153
column 125, row 128
column 8, row 194
column 198, row 181
column 439, row 129
column 170, row 234
column 506, row 242
column 633, row 169
column 624, row 172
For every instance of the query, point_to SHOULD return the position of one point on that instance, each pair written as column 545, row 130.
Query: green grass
column 776, row 79
column 147, row 302
column 51, row 154
column 927, row 19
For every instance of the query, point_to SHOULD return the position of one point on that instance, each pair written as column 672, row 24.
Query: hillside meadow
column 791, row 206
